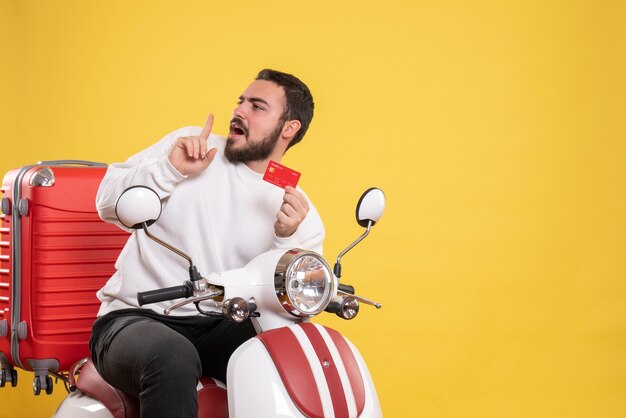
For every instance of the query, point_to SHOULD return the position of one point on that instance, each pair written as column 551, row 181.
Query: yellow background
column 496, row 129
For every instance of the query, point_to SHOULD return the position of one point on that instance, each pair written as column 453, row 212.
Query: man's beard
column 253, row 151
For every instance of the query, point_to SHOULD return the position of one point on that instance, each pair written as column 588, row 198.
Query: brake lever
column 194, row 299
column 361, row 299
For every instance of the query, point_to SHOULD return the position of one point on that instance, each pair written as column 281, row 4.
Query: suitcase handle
column 73, row 162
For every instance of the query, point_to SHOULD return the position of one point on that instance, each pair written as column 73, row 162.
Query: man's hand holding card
column 295, row 206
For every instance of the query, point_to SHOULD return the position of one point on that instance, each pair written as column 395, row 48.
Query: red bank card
column 280, row 175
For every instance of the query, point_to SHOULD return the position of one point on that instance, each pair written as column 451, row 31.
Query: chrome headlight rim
column 283, row 271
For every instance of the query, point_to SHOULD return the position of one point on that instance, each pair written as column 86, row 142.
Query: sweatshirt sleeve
column 150, row 167
column 312, row 243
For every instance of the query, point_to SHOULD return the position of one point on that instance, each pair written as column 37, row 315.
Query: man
column 216, row 208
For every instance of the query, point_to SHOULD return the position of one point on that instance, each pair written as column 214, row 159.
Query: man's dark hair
column 298, row 100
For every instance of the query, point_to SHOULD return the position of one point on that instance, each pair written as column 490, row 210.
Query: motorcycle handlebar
column 167, row 293
column 346, row 288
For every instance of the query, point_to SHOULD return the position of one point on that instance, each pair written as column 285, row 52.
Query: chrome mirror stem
column 166, row 245
column 337, row 268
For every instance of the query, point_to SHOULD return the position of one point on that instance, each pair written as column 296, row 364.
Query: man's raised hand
column 190, row 154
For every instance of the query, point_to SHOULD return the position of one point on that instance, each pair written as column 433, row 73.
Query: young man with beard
column 216, row 208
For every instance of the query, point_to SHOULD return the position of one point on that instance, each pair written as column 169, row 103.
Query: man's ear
column 290, row 129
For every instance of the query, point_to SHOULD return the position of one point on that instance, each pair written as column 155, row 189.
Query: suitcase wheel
column 36, row 385
column 49, row 386
column 3, row 377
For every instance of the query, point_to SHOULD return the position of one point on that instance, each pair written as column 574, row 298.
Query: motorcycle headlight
column 304, row 282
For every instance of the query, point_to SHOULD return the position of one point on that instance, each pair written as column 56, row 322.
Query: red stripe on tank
column 337, row 393
column 294, row 370
column 352, row 369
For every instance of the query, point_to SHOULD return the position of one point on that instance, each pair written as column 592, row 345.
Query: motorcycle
column 292, row 368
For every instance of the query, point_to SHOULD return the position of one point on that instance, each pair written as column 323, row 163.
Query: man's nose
column 239, row 111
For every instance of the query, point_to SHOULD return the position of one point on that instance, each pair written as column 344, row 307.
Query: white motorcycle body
column 80, row 405
column 289, row 370
column 312, row 385
column 292, row 368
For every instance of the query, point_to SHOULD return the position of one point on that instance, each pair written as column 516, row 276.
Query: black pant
column 160, row 359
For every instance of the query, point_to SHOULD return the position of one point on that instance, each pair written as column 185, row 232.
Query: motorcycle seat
column 120, row 404
column 212, row 397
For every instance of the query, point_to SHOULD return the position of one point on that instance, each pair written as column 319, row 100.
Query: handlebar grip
column 333, row 307
column 167, row 293
column 346, row 288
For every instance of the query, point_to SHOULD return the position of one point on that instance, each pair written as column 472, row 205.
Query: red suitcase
column 55, row 253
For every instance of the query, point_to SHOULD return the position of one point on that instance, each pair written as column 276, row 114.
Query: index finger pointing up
column 208, row 126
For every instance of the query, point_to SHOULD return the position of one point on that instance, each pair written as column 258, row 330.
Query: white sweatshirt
column 222, row 217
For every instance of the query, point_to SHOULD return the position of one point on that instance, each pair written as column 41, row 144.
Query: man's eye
column 257, row 107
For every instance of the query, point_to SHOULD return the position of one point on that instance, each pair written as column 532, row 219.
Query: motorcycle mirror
column 368, row 211
column 370, row 207
column 138, row 206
